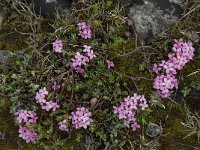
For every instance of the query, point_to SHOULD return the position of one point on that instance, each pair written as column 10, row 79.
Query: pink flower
column 80, row 60
column 44, row 91
column 165, row 84
column 156, row 68
column 110, row 63
column 86, row 48
column 63, row 126
column 46, row 105
column 50, row 105
column 82, row 25
column 89, row 52
column 40, row 96
column 79, row 70
column 57, row 46
column 135, row 126
column 27, row 134
column 81, row 118
column 28, row 117
column 55, row 86
column 127, row 110
column 166, row 81
column 84, row 30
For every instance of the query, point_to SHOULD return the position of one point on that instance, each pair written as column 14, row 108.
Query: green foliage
column 98, row 89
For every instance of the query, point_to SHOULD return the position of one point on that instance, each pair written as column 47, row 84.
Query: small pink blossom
column 40, row 96
column 41, row 99
column 25, row 116
column 44, row 91
column 63, row 125
column 82, row 25
column 135, row 126
column 90, row 53
column 86, row 48
column 110, row 63
column 57, row 46
column 80, row 60
column 55, row 86
column 50, row 105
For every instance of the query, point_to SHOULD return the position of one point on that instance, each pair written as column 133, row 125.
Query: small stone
column 93, row 101
column 193, row 36
column 154, row 130
column 6, row 57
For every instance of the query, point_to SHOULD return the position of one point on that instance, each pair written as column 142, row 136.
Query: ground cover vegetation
column 85, row 81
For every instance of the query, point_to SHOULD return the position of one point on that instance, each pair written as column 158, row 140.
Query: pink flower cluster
column 63, row 126
column 40, row 98
column 57, row 46
column 127, row 110
column 28, row 134
column 28, row 117
column 84, row 30
column 166, row 81
column 81, row 118
column 79, row 60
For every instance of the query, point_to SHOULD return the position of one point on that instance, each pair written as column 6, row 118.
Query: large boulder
column 152, row 17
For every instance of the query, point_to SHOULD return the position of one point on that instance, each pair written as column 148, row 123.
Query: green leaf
column 196, row 1
column 95, row 8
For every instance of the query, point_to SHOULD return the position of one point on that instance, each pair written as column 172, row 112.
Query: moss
column 128, row 65
column 73, row 142
column 173, row 131
column 174, row 135
column 15, row 33
column 10, row 39
column 193, row 103
column 188, row 69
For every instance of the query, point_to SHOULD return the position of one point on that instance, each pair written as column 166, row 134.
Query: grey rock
column 6, row 57
column 50, row 1
column 176, row 1
column 152, row 17
column 154, row 130
column 48, row 8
